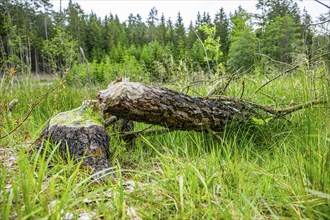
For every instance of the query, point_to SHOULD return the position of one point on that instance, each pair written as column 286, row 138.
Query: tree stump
column 82, row 135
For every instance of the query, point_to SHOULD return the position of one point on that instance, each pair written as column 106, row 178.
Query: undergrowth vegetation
column 276, row 168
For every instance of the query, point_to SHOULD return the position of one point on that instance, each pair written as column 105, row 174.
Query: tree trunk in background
column 137, row 102
column 3, row 52
column 36, row 62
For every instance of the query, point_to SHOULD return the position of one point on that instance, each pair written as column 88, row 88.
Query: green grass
column 277, row 170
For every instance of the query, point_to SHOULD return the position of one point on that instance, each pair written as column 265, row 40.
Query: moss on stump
column 80, row 132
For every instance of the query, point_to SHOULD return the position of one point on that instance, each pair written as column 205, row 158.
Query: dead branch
column 143, row 132
column 289, row 70
column 228, row 82
column 268, row 109
column 275, row 61
column 285, row 111
column 275, row 77
column 191, row 84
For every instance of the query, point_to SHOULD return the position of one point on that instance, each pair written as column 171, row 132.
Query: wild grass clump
column 277, row 168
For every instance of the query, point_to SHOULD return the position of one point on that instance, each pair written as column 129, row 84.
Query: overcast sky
column 170, row 8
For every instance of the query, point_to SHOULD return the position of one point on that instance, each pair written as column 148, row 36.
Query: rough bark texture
column 137, row 102
column 123, row 126
column 81, row 137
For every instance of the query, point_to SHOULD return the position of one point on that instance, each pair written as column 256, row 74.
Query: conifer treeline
column 33, row 37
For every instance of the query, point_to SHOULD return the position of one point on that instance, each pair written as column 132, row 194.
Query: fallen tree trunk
column 137, row 102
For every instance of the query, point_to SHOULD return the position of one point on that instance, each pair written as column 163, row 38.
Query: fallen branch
column 143, row 132
column 289, row 110
column 268, row 109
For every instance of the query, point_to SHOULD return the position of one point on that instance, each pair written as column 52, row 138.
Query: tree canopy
column 35, row 38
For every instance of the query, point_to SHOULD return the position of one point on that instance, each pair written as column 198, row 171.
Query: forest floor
column 277, row 168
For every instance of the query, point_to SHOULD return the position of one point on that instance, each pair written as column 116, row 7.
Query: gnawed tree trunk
column 82, row 135
column 116, row 125
column 137, row 102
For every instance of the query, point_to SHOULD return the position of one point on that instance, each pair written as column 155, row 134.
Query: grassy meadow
column 274, row 170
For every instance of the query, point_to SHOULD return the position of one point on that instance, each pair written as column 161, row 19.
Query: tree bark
column 80, row 136
column 137, row 102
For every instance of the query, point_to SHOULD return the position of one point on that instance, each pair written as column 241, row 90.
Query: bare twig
column 88, row 73
column 270, row 97
column 287, row 71
column 289, row 110
column 144, row 132
column 215, row 88
column 275, row 77
column 268, row 109
column 207, row 60
column 216, row 136
column 327, row 6
column 228, row 82
column 315, row 24
column 193, row 84
column 275, row 61
column 33, row 106
column 201, row 81
column 243, row 88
